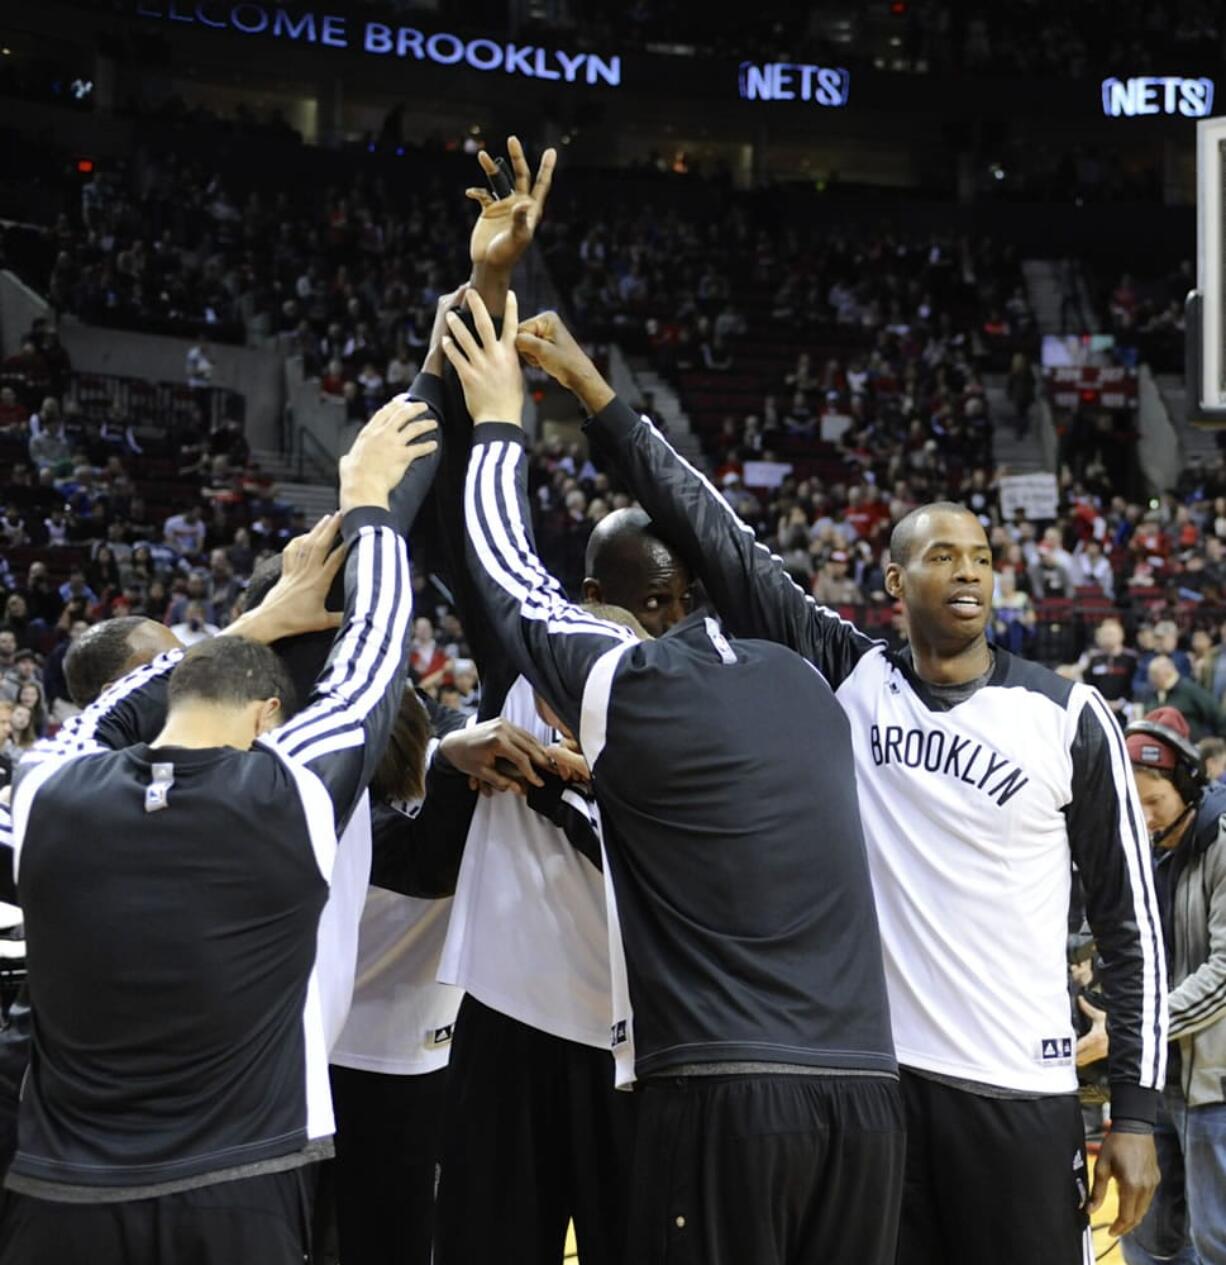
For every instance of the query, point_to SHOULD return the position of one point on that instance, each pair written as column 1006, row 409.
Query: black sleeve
column 445, row 533
column 1106, row 830
column 410, row 494
column 749, row 586
column 341, row 733
column 548, row 639
column 572, row 812
column 417, row 850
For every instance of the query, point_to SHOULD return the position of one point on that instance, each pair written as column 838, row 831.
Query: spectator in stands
column 1170, row 689
column 1049, row 575
column 833, row 586
column 30, row 696
column 199, row 369
column 427, row 659
column 468, row 691
column 1092, row 567
column 195, row 593
column 223, row 586
column 51, row 447
column 1111, row 667
column 185, row 533
column 25, row 671
column 194, row 627
column 1166, row 641
column 76, row 588
column 22, row 735
column 1213, row 752
column 1012, row 613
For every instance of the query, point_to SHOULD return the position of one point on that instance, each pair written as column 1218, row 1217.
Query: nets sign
column 794, row 81
column 333, row 30
column 1157, row 94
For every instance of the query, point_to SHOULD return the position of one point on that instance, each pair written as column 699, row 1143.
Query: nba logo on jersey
column 619, row 1033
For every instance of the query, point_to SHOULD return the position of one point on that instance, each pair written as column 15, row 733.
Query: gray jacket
column 1197, row 1001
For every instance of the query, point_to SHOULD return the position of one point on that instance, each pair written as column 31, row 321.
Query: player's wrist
column 363, row 494
column 593, row 392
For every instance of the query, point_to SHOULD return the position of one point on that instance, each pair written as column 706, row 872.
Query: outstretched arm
column 341, row 733
column 749, row 585
column 554, row 643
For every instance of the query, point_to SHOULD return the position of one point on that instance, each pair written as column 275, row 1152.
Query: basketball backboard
column 1205, row 315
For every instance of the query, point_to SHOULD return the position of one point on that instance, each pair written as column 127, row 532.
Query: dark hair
column 98, row 657
column 231, row 671
column 402, row 769
column 263, row 578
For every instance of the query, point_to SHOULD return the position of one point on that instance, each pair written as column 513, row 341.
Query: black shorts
column 534, row 1136
column 256, row 1219
column 767, row 1170
column 992, row 1179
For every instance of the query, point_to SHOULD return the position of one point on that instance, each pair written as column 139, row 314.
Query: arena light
column 85, row 166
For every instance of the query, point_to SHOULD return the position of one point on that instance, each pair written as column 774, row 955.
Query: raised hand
column 296, row 603
column 487, row 365
column 506, row 226
column 383, row 450
column 545, row 343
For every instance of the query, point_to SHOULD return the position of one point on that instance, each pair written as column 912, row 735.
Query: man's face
column 947, row 581
column 647, row 579
column 1110, row 637
column 8, row 644
column 1160, row 801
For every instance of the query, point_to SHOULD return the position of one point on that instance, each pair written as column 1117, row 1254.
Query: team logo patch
column 619, row 1033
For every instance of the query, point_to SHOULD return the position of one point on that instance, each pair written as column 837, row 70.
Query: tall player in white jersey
column 982, row 779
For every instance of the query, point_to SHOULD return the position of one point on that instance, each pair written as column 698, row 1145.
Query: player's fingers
column 415, row 430
column 333, row 563
column 510, row 319
column 1127, row 1214
column 416, row 451
column 460, row 332
column 529, row 347
column 480, row 196
column 481, row 319
column 544, row 177
column 1102, row 1180
column 486, row 159
column 519, row 165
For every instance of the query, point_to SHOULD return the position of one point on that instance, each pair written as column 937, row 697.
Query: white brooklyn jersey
column 528, row 934
column 966, row 821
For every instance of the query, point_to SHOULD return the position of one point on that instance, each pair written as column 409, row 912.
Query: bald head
column 628, row 565
column 914, row 530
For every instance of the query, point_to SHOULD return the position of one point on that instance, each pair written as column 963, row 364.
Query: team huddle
column 726, row 933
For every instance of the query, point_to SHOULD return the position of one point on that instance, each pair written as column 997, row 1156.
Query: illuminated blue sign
column 1157, row 94
column 792, row 81
column 333, row 31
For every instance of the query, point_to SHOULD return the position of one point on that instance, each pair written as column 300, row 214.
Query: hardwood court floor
column 1106, row 1249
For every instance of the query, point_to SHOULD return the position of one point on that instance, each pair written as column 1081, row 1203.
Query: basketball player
column 982, row 780
column 749, row 1001
column 172, row 894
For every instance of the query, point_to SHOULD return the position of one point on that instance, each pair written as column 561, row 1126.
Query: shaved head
column 911, row 532
column 628, row 565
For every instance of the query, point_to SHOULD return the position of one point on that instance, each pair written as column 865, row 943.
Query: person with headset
column 1186, row 817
